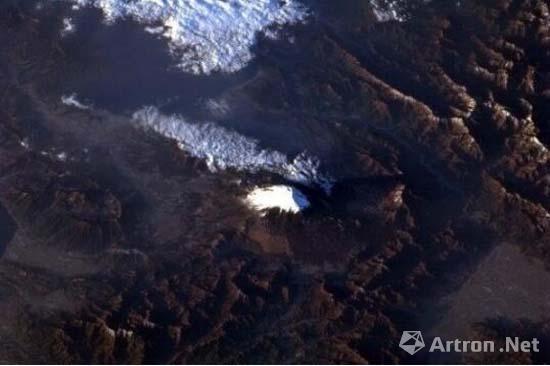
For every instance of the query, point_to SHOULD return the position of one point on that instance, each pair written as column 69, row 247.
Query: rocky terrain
column 120, row 247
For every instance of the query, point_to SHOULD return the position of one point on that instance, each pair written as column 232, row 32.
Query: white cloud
column 214, row 34
column 223, row 148
column 72, row 101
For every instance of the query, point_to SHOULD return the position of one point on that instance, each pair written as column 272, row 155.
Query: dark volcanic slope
column 124, row 249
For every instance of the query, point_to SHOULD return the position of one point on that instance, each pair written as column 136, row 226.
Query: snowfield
column 211, row 35
column 223, row 148
column 283, row 197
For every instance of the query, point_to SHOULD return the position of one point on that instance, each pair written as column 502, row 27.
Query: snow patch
column 68, row 27
column 223, row 148
column 62, row 156
column 285, row 198
column 110, row 331
column 539, row 144
column 213, row 35
column 53, row 154
column 25, row 143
